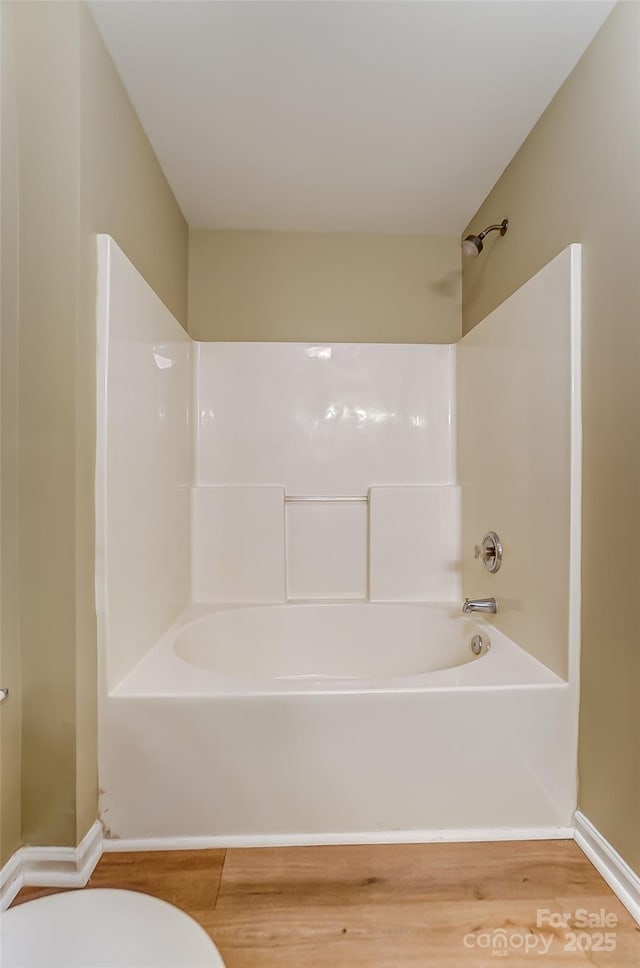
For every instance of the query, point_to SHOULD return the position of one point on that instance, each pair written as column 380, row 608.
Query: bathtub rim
column 163, row 674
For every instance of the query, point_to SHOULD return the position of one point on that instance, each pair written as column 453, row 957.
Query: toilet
column 103, row 929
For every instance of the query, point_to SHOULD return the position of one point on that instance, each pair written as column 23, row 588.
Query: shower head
column 472, row 245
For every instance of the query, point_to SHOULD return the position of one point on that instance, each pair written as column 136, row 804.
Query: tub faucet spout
column 480, row 605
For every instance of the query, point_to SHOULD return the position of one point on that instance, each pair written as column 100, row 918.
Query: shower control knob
column 490, row 552
column 484, row 553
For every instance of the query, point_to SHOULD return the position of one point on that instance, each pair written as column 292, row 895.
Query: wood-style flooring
column 385, row 906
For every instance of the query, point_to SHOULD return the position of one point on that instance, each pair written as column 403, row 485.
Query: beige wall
column 46, row 64
column 84, row 166
column 306, row 286
column 576, row 179
column 124, row 191
column 10, row 710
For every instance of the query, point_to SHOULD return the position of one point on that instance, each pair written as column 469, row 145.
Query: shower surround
column 279, row 564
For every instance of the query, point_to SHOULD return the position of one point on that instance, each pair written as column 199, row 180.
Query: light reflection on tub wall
column 337, row 421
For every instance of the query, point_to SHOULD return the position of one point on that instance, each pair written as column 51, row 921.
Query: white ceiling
column 386, row 116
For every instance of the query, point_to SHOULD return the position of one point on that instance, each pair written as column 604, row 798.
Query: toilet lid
column 103, row 929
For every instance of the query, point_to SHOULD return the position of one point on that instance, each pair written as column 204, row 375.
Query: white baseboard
column 11, row 879
column 340, row 839
column 51, row 866
column 624, row 882
column 73, row 866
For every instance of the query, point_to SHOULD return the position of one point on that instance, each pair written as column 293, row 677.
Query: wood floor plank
column 366, row 874
column 33, row 893
column 377, row 936
column 190, row 879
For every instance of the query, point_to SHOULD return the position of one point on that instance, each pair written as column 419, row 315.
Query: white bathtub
column 315, row 723
column 328, row 648
column 320, row 644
